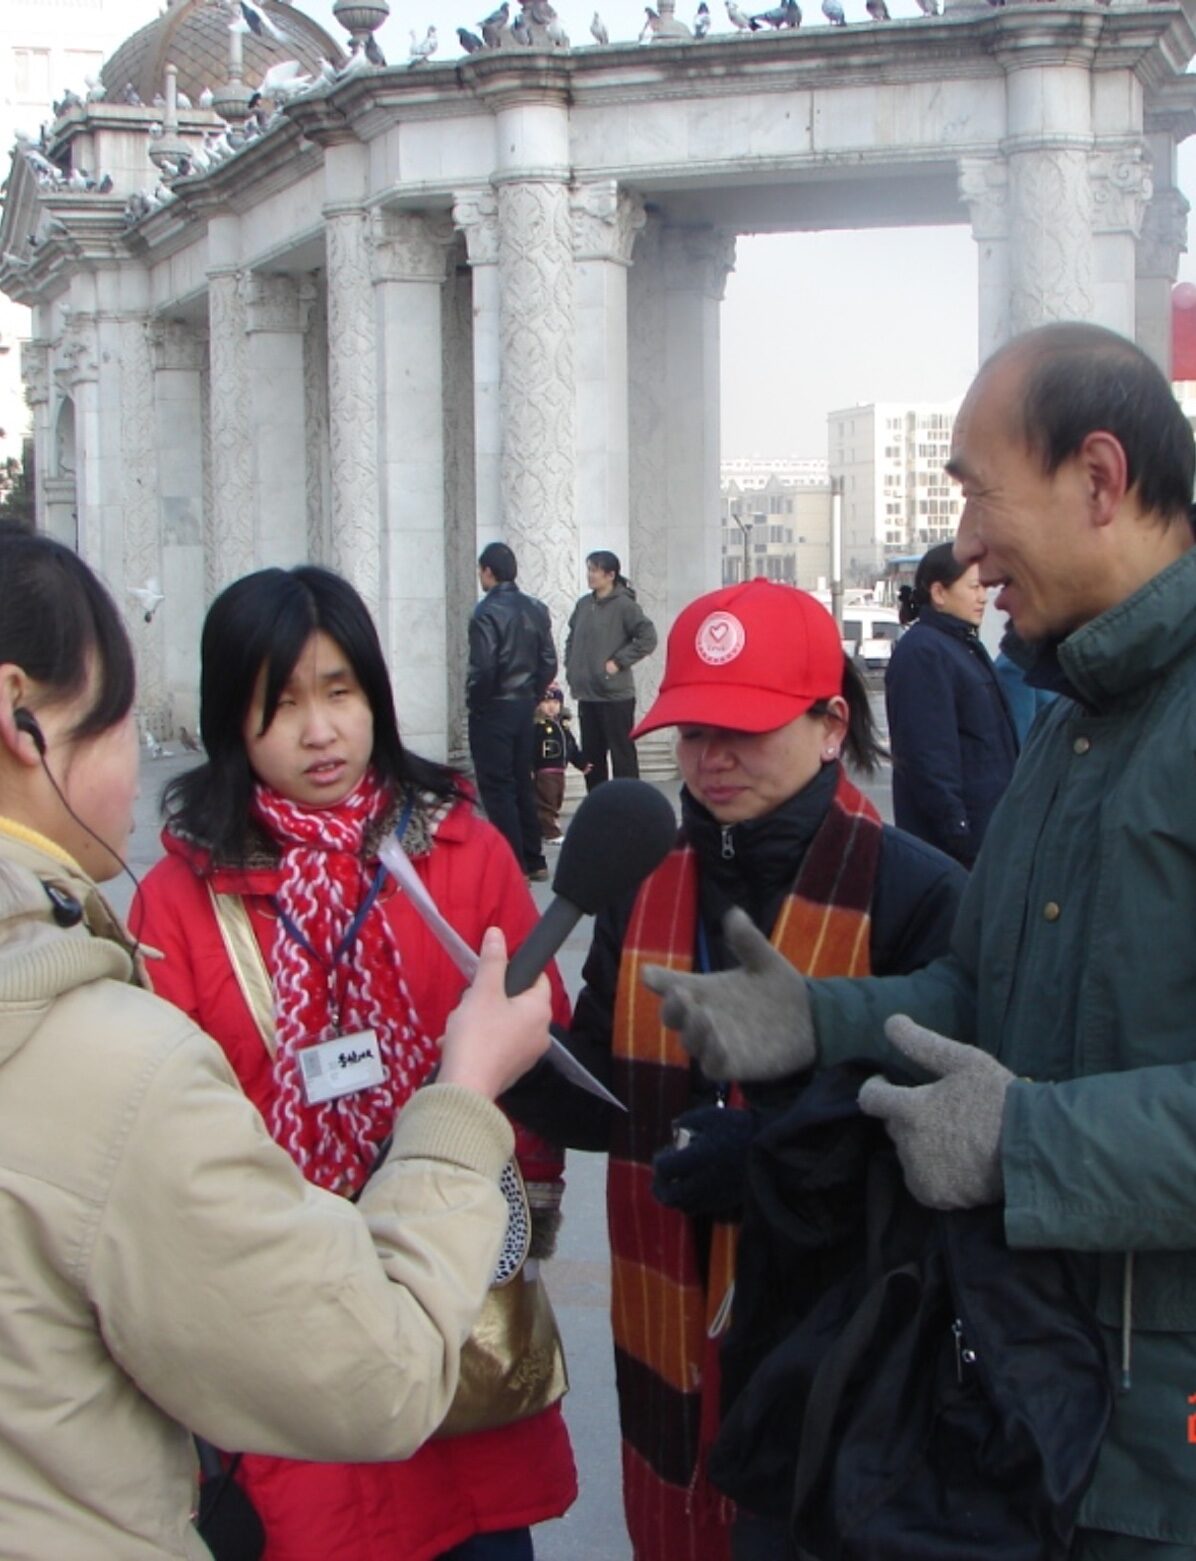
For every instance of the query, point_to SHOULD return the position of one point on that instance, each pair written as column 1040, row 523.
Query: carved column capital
column 984, row 189
column 176, row 346
column 1164, row 235
column 698, row 259
column 271, row 303
column 78, row 353
column 606, row 220
column 35, row 370
column 475, row 213
column 1122, row 185
column 411, row 246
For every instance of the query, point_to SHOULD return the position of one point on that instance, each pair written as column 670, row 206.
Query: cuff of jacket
column 449, row 1122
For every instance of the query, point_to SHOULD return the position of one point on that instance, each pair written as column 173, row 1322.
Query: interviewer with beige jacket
column 163, row 1264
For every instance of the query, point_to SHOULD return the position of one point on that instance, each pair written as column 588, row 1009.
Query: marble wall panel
column 1049, row 100
column 417, row 151
column 290, row 212
column 181, row 275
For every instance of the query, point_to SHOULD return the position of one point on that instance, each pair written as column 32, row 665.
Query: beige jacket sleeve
column 270, row 1316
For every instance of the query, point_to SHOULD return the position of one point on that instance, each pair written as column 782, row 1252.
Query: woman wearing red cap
column 765, row 705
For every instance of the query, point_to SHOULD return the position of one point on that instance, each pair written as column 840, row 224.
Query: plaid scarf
column 323, row 988
column 667, row 1314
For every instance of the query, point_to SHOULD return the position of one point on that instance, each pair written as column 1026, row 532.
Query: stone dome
column 193, row 35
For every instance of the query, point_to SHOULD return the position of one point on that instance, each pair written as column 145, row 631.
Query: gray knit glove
column 947, row 1133
column 752, row 1023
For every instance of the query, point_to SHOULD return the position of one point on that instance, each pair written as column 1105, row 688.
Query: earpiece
column 65, row 906
column 25, row 721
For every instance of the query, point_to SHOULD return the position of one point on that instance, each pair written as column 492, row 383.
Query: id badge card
column 341, row 1066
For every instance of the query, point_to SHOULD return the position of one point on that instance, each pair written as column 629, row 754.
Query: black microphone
column 621, row 832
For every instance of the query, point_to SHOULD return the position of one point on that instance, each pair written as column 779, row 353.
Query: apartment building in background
column 776, row 520
column 897, row 499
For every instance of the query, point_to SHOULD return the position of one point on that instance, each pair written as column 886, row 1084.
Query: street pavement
column 577, row 1278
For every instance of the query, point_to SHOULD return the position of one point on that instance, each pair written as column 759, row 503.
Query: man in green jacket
column 1059, row 1036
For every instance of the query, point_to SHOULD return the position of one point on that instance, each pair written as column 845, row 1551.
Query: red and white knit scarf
column 318, row 996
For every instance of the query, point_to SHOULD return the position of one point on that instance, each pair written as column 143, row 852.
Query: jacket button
column 1081, row 745
column 1051, row 911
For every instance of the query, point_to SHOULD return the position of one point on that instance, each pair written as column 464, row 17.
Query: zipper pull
column 728, row 845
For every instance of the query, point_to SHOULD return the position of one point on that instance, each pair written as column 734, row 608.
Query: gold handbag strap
column 245, row 956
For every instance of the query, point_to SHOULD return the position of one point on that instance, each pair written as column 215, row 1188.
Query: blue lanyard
column 350, row 937
column 362, row 911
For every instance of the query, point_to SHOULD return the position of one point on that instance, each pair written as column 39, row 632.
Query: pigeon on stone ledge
column 422, row 49
column 787, row 14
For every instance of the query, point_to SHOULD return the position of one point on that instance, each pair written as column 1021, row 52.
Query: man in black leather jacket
column 511, row 662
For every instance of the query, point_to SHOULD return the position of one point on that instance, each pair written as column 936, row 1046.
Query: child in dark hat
column 555, row 748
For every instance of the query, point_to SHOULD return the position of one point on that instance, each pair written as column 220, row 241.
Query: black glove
column 707, row 1174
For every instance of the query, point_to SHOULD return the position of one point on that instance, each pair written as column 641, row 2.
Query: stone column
column 984, row 187
column 539, row 390
column 317, row 462
column 352, row 372
column 1048, row 140
column 1052, row 261
column 409, row 254
column 78, row 375
column 228, row 544
column 648, row 458
column 1163, row 238
column 274, row 321
column 458, row 322
column 35, row 374
column 696, row 262
column 476, row 215
column 1121, row 184
column 179, row 357
column 605, row 223
column 135, row 522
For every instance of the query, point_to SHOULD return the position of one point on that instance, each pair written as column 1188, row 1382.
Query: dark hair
column 498, row 558
column 60, row 625
column 1081, row 378
column 266, row 619
column 609, row 564
column 861, row 745
column 937, row 567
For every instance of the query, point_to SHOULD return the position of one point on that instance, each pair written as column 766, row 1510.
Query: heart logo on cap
column 720, row 638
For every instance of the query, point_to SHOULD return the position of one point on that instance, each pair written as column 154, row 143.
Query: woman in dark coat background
column 951, row 731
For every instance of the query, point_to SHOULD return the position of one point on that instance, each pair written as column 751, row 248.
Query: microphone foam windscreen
column 620, row 833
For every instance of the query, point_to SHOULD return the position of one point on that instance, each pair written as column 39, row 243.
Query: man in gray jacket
column 1056, row 1039
column 608, row 633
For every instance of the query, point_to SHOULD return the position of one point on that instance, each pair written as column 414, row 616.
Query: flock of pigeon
column 534, row 23
column 497, row 30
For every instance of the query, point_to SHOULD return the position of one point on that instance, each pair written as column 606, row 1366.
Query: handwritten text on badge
column 341, row 1066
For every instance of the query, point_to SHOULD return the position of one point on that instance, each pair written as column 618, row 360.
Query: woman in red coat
column 285, row 939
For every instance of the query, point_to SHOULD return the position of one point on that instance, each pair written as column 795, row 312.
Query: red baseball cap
column 749, row 658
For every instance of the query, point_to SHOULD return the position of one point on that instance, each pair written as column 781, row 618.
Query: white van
column 869, row 634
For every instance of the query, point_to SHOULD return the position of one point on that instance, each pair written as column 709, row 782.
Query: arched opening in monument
column 817, row 321
column 829, row 340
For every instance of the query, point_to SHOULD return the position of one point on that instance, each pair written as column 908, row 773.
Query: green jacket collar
column 1130, row 645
